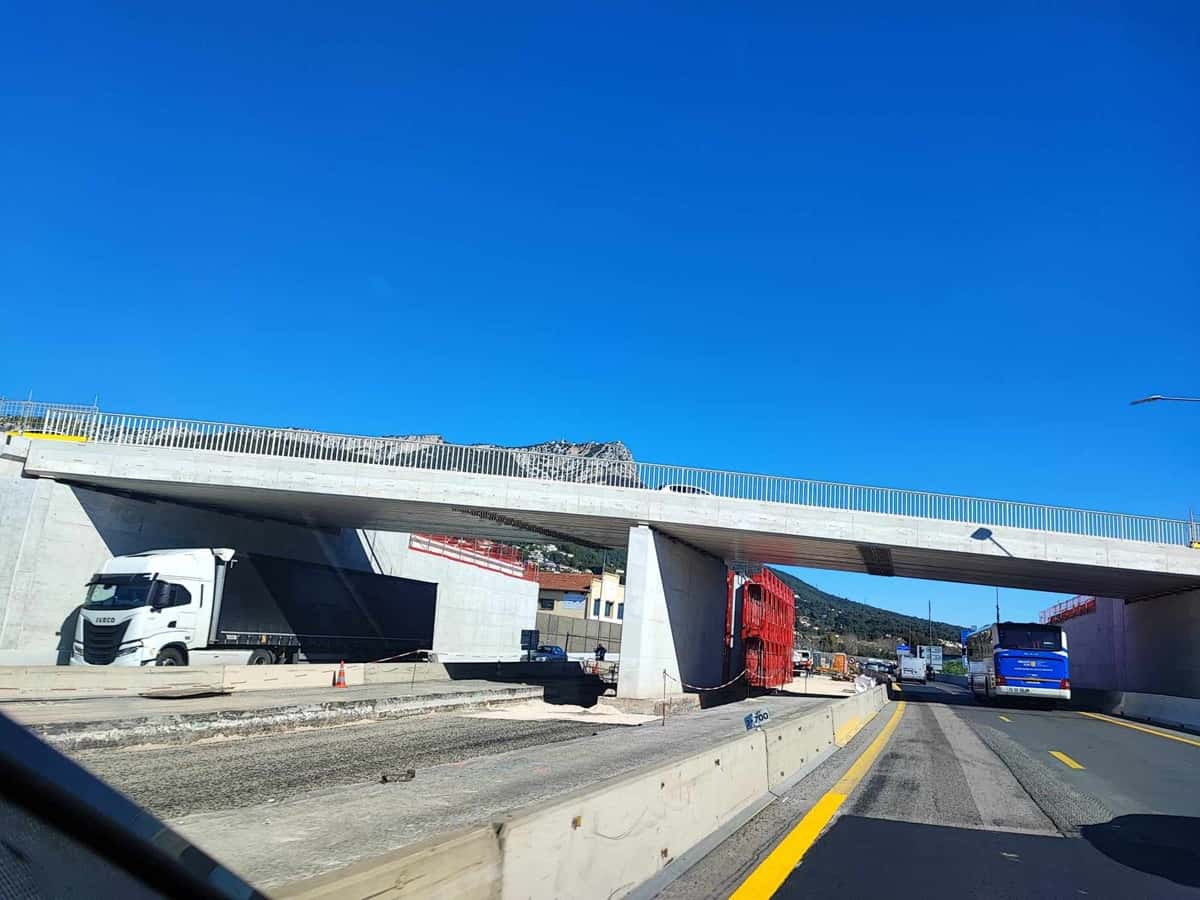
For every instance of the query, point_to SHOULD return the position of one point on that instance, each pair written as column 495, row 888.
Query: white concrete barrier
column 274, row 678
column 1180, row 712
column 606, row 840
column 601, row 840
column 853, row 713
column 82, row 682
column 380, row 673
column 796, row 746
column 464, row 865
column 849, row 716
column 75, row 682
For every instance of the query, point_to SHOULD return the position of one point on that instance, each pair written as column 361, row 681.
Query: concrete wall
column 1161, row 646
column 1149, row 647
column 480, row 613
column 675, row 598
column 1092, row 640
column 53, row 537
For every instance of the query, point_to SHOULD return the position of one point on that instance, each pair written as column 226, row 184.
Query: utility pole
column 929, row 601
column 997, row 604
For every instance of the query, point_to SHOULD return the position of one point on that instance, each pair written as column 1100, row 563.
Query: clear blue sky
column 940, row 249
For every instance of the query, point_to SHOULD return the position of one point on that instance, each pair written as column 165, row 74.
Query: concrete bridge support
column 1149, row 647
column 675, row 602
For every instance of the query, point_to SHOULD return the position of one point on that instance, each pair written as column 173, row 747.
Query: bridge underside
column 679, row 544
column 730, row 543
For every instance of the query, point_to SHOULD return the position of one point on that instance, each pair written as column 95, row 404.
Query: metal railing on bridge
column 424, row 453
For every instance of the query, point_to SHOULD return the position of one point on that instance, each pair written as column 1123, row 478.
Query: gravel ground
column 175, row 781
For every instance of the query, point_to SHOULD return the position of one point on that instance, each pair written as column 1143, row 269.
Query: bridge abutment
column 675, row 602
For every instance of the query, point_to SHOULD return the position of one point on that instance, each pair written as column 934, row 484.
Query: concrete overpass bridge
column 681, row 525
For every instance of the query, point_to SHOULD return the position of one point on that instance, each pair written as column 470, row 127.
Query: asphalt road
column 972, row 799
column 172, row 781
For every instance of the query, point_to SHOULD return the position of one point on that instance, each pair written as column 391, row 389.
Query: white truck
column 216, row 605
column 912, row 668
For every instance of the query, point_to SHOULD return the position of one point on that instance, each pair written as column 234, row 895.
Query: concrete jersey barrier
column 81, row 682
column 625, row 832
column 606, row 840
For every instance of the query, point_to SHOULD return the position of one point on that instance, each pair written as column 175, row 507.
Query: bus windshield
column 1029, row 637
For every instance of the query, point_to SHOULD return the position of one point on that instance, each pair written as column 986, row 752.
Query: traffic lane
column 728, row 864
column 1129, row 771
column 936, row 770
column 934, row 773
column 949, row 788
column 931, row 692
column 862, row 856
column 173, row 781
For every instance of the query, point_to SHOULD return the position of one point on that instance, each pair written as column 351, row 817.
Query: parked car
column 878, row 671
column 549, row 653
column 685, row 489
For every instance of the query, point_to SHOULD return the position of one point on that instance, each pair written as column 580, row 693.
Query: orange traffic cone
column 339, row 680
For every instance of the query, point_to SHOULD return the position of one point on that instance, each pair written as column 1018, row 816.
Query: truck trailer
column 217, row 605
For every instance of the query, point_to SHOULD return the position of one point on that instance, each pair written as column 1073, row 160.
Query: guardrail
column 424, row 453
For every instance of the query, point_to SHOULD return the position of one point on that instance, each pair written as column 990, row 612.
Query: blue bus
column 1019, row 659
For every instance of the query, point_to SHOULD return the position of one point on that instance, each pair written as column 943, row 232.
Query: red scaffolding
column 768, row 630
column 1068, row 609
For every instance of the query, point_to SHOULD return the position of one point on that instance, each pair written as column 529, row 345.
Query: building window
column 621, row 611
column 608, row 610
column 595, row 609
column 545, row 603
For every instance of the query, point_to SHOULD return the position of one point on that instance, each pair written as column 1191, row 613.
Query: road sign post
column 529, row 642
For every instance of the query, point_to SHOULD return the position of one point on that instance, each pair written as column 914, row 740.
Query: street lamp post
column 1153, row 397
column 1193, row 534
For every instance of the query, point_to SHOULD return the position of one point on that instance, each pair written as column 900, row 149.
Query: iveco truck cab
column 150, row 608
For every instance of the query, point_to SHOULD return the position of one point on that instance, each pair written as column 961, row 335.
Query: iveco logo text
column 105, row 620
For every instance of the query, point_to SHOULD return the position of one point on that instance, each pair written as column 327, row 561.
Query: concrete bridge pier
column 675, row 607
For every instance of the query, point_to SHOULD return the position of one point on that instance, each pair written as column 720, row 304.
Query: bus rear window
column 1025, row 637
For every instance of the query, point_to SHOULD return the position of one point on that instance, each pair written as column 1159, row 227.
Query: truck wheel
column 261, row 658
column 169, row 656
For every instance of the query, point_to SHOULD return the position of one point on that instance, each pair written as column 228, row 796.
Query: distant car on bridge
column 549, row 653
column 685, row 489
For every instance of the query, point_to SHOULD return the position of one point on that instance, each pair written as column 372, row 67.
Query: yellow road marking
column 1065, row 760
column 1005, row 719
column 1156, row 733
column 775, row 869
column 848, row 730
column 43, row 436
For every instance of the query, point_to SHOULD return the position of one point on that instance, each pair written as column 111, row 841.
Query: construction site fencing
column 578, row 635
column 88, row 423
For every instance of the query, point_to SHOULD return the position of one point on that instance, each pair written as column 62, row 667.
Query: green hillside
column 824, row 621
column 829, row 622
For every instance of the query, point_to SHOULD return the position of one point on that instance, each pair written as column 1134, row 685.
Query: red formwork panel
column 768, row 630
